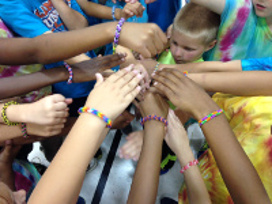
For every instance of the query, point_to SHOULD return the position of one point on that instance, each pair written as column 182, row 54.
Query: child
column 194, row 32
column 241, row 179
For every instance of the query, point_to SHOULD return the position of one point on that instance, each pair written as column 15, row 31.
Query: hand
column 130, row 10
column 8, row 153
column 176, row 136
column 51, row 110
column 44, row 130
column 113, row 95
column 122, row 120
column 153, row 104
column 146, row 38
column 85, row 71
column 184, row 93
column 149, row 65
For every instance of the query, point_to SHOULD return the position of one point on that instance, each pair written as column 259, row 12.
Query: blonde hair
column 198, row 22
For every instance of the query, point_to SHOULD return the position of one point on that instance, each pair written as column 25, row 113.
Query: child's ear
column 211, row 45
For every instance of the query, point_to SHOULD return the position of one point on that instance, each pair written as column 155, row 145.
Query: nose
column 178, row 53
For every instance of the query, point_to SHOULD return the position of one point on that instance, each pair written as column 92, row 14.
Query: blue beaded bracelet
column 113, row 13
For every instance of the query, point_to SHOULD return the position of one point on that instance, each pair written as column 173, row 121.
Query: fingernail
column 155, row 83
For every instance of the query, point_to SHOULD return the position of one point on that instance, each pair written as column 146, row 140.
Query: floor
column 110, row 181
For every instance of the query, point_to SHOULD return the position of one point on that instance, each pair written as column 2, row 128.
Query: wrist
column 118, row 13
column 185, row 156
column 205, row 109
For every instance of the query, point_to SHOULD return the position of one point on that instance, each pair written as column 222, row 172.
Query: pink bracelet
column 67, row 66
column 153, row 117
column 187, row 166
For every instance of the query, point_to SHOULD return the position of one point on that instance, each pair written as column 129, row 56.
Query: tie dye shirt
column 9, row 71
column 242, row 34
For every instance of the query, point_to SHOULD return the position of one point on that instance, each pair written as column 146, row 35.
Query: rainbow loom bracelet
column 97, row 113
column 185, row 73
column 153, row 117
column 24, row 130
column 113, row 13
column 67, row 66
column 187, row 166
column 210, row 116
column 117, row 33
column 4, row 114
column 157, row 67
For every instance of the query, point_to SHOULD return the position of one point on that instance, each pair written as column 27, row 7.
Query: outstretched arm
column 241, row 179
column 110, row 97
column 53, row 47
column 146, row 178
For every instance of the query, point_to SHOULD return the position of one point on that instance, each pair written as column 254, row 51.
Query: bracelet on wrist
column 157, row 67
column 97, row 113
column 187, row 166
column 154, row 117
column 113, row 13
column 210, row 116
column 24, row 130
column 117, row 33
column 70, row 79
column 4, row 114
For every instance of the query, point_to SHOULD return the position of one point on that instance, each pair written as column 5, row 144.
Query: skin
column 145, row 185
column 85, row 137
column 187, row 49
column 9, row 197
column 242, row 179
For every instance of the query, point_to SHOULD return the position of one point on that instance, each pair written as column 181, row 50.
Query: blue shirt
column 31, row 18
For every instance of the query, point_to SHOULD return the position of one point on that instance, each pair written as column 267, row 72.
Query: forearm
column 248, row 83
column 146, row 178
column 31, row 82
column 196, row 189
column 235, row 167
column 75, row 154
column 95, row 10
column 72, row 19
column 50, row 48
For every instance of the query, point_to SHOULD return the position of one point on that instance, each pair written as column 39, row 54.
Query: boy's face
column 263, row 8
column 185, row 49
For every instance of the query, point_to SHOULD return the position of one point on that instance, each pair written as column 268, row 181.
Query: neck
column 269, row 22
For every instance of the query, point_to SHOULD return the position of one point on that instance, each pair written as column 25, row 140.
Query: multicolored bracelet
column 4, row 114
column 185, row 73
column 153, row 117
column 187, row 166
column 117, row 33
column 157, row 67
column 210, row 116
column 113, row 13
column 24, row 130
column 97, row 113
column 67, row 66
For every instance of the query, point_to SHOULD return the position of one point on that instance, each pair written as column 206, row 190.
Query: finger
column 160, row 36
column 106, row 60
column 133, row 93
column 125, row 80
column 57, row 98
column 59, row 106
column 68, row 101
column 99, row 79
column 132, row 85
column 166, row 91
column 118, row 75
column 152, row 47
column 61, row 114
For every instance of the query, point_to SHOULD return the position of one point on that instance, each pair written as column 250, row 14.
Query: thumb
column 68, row 101
column 99, row 79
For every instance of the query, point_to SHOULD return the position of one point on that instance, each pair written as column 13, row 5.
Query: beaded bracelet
column 157, row 67
column 187, row 166
column 24, row 130
column 153, row 117
column 210, row 116
column 113, row 13
column 185, row 73
column 67, row 66
column 97, row 113
column 117, row 33
column 4, row 114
